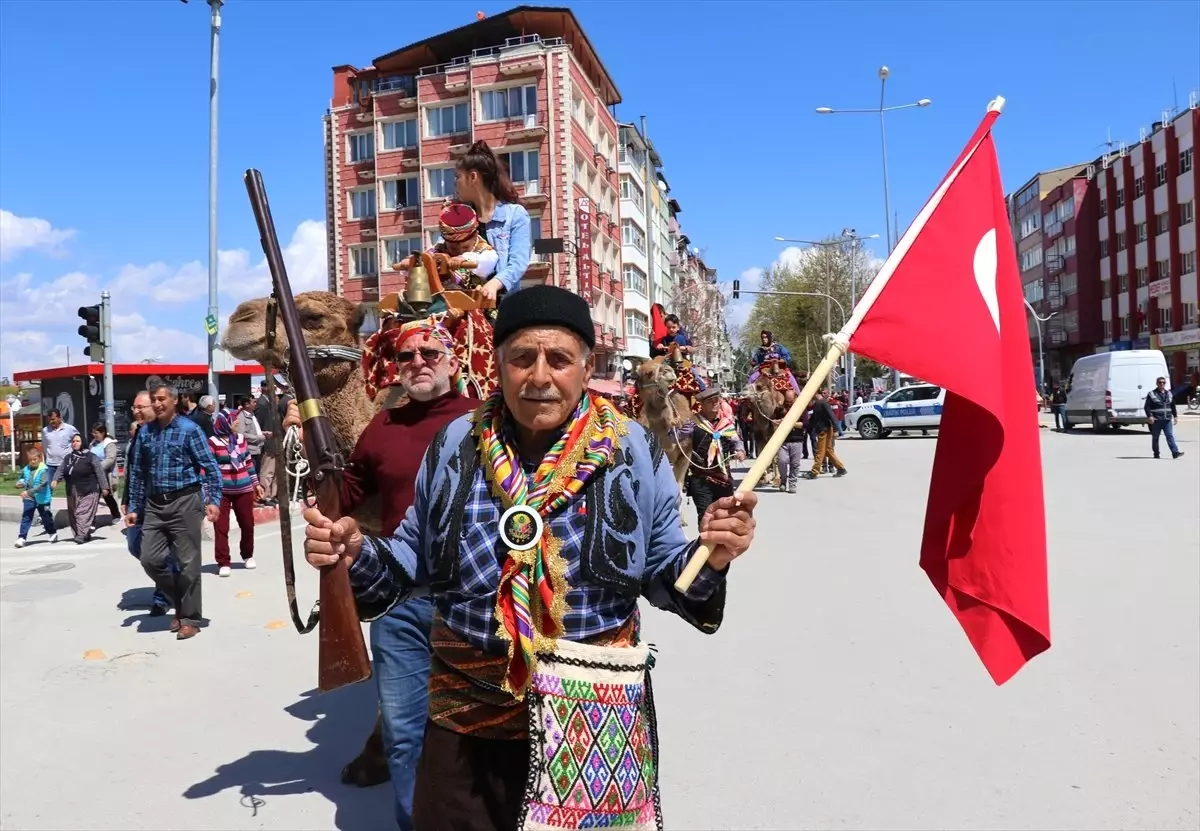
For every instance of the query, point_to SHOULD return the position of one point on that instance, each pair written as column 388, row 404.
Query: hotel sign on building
column 583, row 222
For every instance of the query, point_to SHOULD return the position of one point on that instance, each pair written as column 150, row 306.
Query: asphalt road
column 840, row 693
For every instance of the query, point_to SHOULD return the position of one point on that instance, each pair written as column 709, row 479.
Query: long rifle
column 342, row 655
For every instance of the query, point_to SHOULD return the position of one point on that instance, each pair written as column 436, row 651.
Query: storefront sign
column 583, row 231
column 1176, row 341
column 1160, row 287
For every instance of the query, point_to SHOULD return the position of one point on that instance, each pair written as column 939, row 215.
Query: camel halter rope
column 665, row 394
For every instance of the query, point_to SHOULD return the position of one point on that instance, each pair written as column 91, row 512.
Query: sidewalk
column 11, row 507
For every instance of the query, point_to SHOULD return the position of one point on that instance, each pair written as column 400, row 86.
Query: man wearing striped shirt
column 173, row 482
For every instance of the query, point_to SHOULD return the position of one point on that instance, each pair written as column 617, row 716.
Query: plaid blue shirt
column 383, row 573
column 166, row 459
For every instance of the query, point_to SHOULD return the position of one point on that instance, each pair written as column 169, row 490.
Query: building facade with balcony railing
column 529, row 84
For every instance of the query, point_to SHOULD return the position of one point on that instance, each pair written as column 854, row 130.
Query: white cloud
column 22, row 349
column 737, row 312
column 23, row 300
column 240, row 275
column 135, row 339
column 22, row 233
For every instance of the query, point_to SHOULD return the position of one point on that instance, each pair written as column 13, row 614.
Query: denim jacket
column 509, row 233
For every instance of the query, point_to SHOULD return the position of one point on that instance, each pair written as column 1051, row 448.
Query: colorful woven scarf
column 723, row 429
column 379, row 365
column 530, row 620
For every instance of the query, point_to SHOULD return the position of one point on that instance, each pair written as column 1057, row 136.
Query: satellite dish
column 627, row 365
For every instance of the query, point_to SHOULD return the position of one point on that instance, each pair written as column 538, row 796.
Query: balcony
column 403, row 86
column 532, row 196
column 539, row 265
column 1055, row 265
column 458, row 77
column 459, row 149
column 673, row 226
column 531, row 126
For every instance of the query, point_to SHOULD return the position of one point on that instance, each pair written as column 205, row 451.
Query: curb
column 11, row 508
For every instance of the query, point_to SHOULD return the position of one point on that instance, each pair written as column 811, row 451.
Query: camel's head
column 656, row 373
column 327, row 320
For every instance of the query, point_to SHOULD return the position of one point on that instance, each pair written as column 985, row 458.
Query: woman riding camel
column 483, row 182
column 773, row 358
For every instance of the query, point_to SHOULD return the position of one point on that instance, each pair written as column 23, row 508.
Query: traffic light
column 90, row 331
column 737, row 289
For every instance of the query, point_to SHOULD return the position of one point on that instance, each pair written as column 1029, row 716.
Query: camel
column 767, row 405
column 664, row 410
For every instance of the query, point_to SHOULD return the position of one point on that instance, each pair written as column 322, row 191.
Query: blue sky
column 104, row 109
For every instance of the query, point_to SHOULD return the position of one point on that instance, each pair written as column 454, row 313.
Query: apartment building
column 646, row 244
column 530, row 84
column 1146, row 226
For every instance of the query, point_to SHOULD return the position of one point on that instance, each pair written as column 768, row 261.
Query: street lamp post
column 1038, row 320
column 856, row 241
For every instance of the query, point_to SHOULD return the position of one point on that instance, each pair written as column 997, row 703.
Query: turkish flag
column 948, row 308
column 658, row 324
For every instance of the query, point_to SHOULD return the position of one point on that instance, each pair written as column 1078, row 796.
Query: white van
column 1109, row 389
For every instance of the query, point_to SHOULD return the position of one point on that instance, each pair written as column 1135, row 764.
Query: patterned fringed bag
column 593, row 740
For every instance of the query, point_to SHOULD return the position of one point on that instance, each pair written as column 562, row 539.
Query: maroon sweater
column 388, row 455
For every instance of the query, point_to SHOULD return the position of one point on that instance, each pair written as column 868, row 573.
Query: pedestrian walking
column 250, row 428
column 85, row 479
column 823, row 424
column 35, row 496
column 793, row 451
column 239, row 490
column 270, row 417
column 105, row 448
column 56, row 440
column 714, row 441
column 169, row 491
column 1058, row 402
column 142, row 412
column 1162, row 415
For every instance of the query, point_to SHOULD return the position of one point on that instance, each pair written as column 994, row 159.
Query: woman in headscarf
column 239, row 490
column 105, row 448
column 84, row 474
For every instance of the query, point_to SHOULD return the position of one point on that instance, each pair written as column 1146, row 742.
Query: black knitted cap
column 544, row 305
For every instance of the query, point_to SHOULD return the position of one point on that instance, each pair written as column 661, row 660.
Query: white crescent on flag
column 985, row 274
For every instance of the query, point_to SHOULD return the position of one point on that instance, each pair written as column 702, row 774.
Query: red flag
column 948, row 309
column 658, row 323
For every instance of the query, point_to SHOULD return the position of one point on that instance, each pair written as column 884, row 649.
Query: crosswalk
column 39, row 551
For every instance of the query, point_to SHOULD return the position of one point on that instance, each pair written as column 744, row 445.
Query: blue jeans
column 133, row 538
column 1159, row 427
column 1060, row 416
column 28, row 509
column 400, row 646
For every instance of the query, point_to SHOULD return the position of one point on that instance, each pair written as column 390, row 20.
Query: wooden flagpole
column 838, row 346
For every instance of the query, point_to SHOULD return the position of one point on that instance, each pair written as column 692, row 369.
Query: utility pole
column 110, row 416
column 210, row 321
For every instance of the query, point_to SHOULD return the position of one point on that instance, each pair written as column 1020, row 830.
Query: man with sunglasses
column 417, row 358
column 1162, row 416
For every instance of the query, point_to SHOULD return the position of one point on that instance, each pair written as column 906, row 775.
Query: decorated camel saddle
column 776, row 369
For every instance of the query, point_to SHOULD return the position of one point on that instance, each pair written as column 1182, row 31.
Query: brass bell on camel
column 417, row 292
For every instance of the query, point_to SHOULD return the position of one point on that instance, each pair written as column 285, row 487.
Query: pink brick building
column 530, row 84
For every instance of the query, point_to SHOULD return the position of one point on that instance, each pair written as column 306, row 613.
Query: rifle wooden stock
column 342, row 653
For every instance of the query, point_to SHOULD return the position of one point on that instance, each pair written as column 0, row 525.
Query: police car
column 918, row 406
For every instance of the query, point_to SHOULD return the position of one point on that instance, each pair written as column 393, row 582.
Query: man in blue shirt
column 173, row 482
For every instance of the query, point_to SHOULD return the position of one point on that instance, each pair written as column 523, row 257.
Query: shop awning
column 603, row 386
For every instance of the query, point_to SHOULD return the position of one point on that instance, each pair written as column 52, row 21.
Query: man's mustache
column 535, row 394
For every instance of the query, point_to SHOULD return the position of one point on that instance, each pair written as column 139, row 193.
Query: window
column 635, row 279
column 1185, row 160
column 441, row 183
column 1103, row 207
column 399, row 194
column 1160, row 223
column 1187, row 262
column 401, row 249
column 1139, row 186
column 1189, row 313
column 636, row 325
column 1160, row 175
column 1121, row 199
column 1108, row 330
column 1069, row 284
column 1103, row 248
column 1164, row 316
column 926, row 393
column 1106, row 288
column 1143, row 320
column 362, row 146
column 1031, row 259
column 1124, row 326
column 1071, row 321
column 363, row 261
column 522, row 165
column 631, row 234
column 514, row 102
column 1120, row 240
column 399, row 134
column 1139, row 232
column 1162, row 269
column 900, row 396
column 362, row 203
column 633, row 191
column 1123, row 282
column 447, row 121
column 1143, row 276
column 535, row 227
column 1187, row 212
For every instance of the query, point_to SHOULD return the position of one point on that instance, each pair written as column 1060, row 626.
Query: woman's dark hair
column 491, row 170
column 99, row 427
